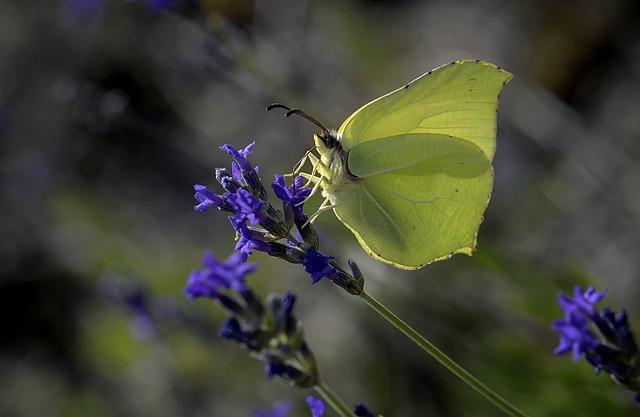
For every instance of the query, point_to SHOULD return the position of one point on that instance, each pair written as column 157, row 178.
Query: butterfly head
column 328, row 139
column 333, row 158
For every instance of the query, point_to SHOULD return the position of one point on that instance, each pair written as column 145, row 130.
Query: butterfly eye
column 329, row 139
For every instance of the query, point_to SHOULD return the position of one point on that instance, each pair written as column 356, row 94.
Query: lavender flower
column 159, row 5
column 295, row 194
column 585, row 303
column 84, row 10
column 316, row 406
column 245, row 198
column 142, row 325
column 271, row 332
column 280, row 409
column 206, row 198
column 240, row 156
column 246, row 206
column 130, row 294
column 361, row 411
column 219, row 276
column 292, row 198
column 247, row 201
column 318, row 265
column 611, row 349
column 246, row 240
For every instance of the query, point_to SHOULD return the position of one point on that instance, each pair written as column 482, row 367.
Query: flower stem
column 331, row 398
column 441, row 357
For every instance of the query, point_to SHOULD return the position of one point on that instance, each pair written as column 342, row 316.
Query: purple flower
column 284, row 321
column 575, row 335
column 316, row 406
column 84, row 10
column 217, row 276
column 619, row 325
column 142, row 324
column 612, row 350
column 206, row 198
column 247, row 242
column 318, row 265
column 240, row 156
column 585, row 303
column 247, row 207
column 295, row 194
column 231, row 329
column 159, row 5
column 280, row 409
column 274, row 369
column 361, row 411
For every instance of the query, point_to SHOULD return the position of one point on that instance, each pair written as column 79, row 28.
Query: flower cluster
column 260, row 226
column 270, row 331
column 612, row 348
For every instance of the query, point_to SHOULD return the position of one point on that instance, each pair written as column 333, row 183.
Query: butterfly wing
column 458, row 99
column 412, row 207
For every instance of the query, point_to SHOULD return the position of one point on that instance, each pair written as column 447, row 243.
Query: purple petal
column 316, row 406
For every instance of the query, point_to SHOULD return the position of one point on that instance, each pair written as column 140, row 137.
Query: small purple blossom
column 316, row 406
column 318, row 265
column 272, row 369
column 619, row 325
column 575, row 335
column 283, row 408
column 231, row 329
column 584, row 302
column 361, row 411
column 295, row 194
column 142, row 324
column 240, row 156
column 159, row 5
column 217, row 276
column 206, row 198
column 84, row 10
column 280, row 409
column 246, row 241
column 613, row 349
column 246, row 206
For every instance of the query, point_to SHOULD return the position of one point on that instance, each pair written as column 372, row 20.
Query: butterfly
column 410, row 173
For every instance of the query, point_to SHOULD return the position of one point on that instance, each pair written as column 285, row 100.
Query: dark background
column 111, row 110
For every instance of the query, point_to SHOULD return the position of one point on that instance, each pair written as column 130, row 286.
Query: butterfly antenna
column 290, row 111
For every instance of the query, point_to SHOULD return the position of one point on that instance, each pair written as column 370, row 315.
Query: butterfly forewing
column 458, row 99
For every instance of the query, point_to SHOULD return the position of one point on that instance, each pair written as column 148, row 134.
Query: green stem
column 441, row 357
column 330, row 397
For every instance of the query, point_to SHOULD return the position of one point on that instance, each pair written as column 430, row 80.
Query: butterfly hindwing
column 415, row 192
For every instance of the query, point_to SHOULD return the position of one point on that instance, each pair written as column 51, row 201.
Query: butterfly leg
column 298, row 166
column 325, row 206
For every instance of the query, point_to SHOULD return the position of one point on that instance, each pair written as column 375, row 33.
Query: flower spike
column 612, row 348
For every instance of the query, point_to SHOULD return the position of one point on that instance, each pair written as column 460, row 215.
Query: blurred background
column 110, row 111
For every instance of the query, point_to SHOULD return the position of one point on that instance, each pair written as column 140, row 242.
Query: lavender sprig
column 268, row 330
column 610, row 347
column 260, row 226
